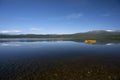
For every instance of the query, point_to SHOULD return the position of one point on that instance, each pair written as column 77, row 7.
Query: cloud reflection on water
column 9, row 44
column 34, row 43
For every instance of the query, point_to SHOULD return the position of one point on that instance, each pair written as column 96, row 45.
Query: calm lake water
column 33, row 59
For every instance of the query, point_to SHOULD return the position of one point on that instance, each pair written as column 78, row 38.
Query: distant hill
column 100, row 34
column 96, row 34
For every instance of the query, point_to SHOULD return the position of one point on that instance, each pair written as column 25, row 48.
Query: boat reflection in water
column 90, row 41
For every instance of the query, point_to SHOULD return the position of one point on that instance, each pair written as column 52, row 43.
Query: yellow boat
column 90, row 41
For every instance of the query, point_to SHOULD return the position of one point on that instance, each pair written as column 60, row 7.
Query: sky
column 58, row 16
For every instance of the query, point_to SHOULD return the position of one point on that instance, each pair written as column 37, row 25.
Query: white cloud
column 109, row 30
column 68, row 16
column 35, row 29
column 106, row 15
column 10, row 31
column 111, row 14
column 74, row 16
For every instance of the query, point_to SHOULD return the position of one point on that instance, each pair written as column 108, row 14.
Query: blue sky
column 58, row 16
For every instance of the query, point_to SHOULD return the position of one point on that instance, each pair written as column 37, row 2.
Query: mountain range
column 101, row 32
column 95, row 34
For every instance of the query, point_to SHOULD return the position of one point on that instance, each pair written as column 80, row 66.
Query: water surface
column 25, row 59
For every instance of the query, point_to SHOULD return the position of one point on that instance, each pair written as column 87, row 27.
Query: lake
column 59, row 59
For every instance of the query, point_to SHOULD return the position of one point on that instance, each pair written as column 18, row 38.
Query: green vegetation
column 81, row 36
